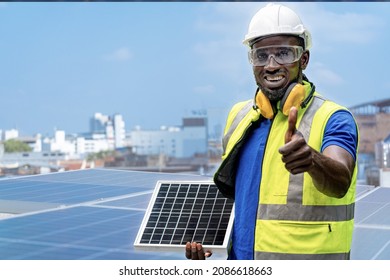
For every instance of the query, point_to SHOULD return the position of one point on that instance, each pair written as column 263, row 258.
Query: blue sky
column 155, row 62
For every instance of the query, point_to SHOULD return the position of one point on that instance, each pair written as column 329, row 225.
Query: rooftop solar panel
column 186, row 211
column 371, row 238
column 139, row 201
column 97, row 213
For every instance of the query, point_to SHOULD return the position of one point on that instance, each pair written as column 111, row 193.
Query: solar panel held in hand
column 183, row 211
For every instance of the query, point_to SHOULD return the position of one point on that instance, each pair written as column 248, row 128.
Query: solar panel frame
column 219, row 249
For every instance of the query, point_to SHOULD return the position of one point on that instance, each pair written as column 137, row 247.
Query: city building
column 119, row 131
column 112, row 128
column 183, row 141
column 385, row 152
column 10, row 134
column 173, row 147
column 373, row 119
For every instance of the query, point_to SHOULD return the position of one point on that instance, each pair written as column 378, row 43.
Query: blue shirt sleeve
column 341, row 130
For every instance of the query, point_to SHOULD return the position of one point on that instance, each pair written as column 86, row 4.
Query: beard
column 275, row 95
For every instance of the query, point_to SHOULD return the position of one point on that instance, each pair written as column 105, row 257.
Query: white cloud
column 225, row 24
column 222, row 56
column 342, row 24
column 323, row 75
column 121, row 54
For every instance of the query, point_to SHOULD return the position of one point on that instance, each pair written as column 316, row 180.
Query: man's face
column 274, row 78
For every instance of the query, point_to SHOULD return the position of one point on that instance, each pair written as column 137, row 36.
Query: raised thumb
column 292, row 122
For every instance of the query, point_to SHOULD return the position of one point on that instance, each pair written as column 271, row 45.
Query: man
column 289, row 156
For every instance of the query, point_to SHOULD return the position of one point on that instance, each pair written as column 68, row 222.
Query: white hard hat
column 275, row 19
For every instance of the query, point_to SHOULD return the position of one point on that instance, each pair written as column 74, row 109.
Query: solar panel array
column 92, row 214
column 96, row 214
column 371, row 239
column 186, row 211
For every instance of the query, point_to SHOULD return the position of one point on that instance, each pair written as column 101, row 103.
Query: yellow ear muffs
column 294, row 96
column 264, row 105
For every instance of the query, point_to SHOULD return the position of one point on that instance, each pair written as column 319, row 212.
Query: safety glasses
column 282, row 54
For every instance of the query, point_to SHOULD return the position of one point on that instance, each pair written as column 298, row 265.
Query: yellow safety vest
column 294, row 219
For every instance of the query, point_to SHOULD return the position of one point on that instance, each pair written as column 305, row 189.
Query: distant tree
column 15, row 146
column 100, row 155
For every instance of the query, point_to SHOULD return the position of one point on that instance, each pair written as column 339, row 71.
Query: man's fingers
column 195, row 251
column 201, row 255
column 188, row 250
column 292, row 123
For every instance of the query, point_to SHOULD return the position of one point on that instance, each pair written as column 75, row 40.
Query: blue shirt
column 340, row 130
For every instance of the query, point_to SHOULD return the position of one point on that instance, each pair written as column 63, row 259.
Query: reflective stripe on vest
column 238, row 118
column 280, row 256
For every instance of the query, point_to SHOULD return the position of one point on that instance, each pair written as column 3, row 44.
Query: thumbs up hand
column 292, row 123
column 296, row 154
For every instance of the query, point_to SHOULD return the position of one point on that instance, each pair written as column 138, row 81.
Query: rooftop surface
column 96, row 214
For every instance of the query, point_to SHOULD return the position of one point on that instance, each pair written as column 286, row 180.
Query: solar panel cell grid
column 182, row 212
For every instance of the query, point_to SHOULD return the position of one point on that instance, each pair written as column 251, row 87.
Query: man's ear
column 305, row 59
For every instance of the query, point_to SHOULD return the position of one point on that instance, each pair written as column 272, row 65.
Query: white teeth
column 274, row 79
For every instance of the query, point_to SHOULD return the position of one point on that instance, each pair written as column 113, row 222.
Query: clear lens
column 281, row 54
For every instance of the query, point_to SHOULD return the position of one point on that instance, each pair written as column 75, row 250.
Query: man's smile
column 274, row 81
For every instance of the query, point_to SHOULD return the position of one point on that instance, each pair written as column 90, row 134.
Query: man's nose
column 271, row 62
